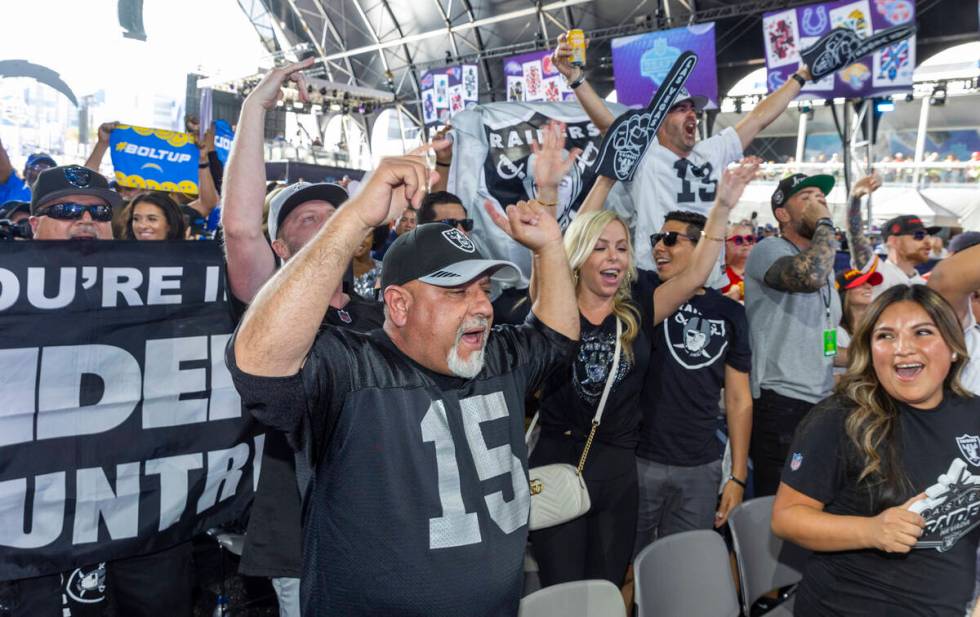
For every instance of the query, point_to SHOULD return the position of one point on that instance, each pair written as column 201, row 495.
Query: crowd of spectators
column 727, row 360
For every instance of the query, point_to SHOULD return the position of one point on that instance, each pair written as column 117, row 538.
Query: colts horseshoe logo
column 809, row 27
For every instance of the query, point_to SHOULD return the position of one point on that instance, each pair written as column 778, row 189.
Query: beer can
column 576, row 40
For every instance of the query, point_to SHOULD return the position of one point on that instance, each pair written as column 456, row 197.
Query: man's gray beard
column 467, row 369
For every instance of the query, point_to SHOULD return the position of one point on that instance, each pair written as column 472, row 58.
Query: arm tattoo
column 808, row 271
column 860, row 247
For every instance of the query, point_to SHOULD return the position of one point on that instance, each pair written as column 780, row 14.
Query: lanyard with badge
column 830, row 333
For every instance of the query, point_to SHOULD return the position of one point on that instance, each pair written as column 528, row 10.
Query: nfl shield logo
column 796, row 461
column 459, row 240
column 970, row 447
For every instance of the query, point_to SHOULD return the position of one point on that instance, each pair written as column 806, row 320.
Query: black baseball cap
column 904, row 225
column 440, row 255
column 10, row 208
column 57, row 182
column 294, row 195
column 791, row 185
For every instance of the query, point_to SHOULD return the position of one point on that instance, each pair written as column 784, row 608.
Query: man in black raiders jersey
column 419, row 500
column 273, row 543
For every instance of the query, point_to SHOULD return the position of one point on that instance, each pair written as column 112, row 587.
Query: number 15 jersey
column 419, row 499
column 665, row 182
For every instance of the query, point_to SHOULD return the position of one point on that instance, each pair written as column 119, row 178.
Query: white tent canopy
column 959, row 207
column 898, row 202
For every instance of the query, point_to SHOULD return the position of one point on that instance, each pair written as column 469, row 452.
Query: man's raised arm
column 535, row 227
column 588, row 98
column 281, row 324
column 861, row 251
column 957, row 277
column 251, row 261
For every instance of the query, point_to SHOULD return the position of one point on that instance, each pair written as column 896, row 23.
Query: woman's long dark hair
column 872, row 426
column 171, row 212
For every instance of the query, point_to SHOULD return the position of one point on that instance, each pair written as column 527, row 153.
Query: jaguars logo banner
column 154, row 159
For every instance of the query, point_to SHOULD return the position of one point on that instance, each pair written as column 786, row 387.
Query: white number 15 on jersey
column 456, row 526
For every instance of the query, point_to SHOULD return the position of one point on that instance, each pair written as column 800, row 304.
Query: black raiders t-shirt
column 571, row 394
column 419, row 499
column 273, row 541
column 824, row 464
column 682, row 389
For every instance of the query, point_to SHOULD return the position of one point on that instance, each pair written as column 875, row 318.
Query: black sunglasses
column 918, row 235
column 70, row 211
column 466, row 224
column 669, row 238
column 740, row 240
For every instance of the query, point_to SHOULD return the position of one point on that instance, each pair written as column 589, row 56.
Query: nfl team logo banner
column 121, row 432
column 154, row 159
column 787, row 33
column 223, row 136
column 641, row 62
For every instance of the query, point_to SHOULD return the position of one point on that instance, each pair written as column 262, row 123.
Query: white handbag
column 558, row 491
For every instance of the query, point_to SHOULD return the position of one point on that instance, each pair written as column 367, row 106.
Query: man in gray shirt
column 793, row 312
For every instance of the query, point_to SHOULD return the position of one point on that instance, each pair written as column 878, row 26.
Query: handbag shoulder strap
column 530, row 427
column 605, row 395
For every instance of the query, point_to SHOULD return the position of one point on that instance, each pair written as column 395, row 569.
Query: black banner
column 120, row 430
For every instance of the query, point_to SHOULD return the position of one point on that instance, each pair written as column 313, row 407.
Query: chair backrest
column 575, row 599
column 685, row 574
column 765, row 562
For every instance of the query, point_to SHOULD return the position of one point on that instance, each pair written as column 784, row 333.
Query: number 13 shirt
column 665, row 182
column 419, row 499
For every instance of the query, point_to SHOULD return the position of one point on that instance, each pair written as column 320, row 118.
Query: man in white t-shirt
column 678, row 172
column 908, row 242
column 957, row 278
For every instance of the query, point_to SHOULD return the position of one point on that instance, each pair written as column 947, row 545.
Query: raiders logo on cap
column 778, row 197
column 459, row 240
column 78, row 176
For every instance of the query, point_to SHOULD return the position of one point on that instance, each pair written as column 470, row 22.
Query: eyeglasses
column 70, row 211
column 669, row 238
column 740, row 240
column 465, row 224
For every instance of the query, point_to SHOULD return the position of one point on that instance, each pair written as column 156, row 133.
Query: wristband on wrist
column 826, row 221
column 441, row 164
column 798, row 79
column 732, row 478
column 707, row 237
column 578, row 81
column 203, row 165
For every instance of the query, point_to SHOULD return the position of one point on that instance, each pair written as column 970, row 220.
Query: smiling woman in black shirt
column 854, row 486
column 599, row 544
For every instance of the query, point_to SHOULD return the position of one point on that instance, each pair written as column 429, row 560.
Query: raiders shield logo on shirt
column 693, row 340
column 970, row 447
column 459, row 240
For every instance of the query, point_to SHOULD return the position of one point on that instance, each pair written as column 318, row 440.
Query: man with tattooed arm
column 793, row 312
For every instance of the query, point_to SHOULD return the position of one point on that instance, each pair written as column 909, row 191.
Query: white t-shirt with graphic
column 665, row 182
